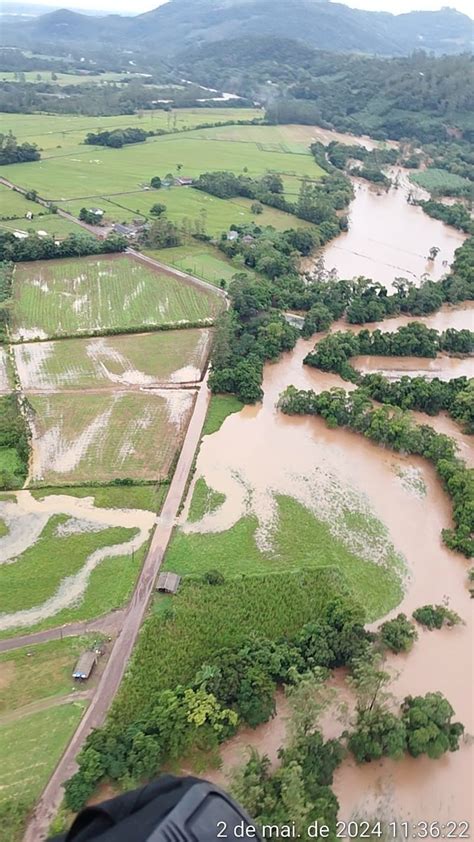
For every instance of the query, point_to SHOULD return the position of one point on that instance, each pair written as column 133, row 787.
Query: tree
column 157, row 209
column 433, row 253
column 256, row 208
column 377, row 733
column 398, row 634
column 155, row 182
column 428, row 724
column 435, row 616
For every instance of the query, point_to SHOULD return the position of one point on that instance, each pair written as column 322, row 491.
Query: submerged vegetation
column 396, row 429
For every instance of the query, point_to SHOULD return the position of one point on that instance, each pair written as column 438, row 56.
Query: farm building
column 184, row 182
column 232, row 235
column 96, row 211
column 168, row 582
column 86, row 663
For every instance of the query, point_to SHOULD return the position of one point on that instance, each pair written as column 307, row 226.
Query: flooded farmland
column 259, row 453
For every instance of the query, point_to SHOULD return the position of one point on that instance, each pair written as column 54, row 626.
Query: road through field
column 110, row 681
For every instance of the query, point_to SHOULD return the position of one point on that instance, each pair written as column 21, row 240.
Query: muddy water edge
column 266, row 450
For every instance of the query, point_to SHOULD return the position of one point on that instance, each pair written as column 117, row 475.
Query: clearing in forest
column 95, row 295
column 89, row 437
column 127, row 361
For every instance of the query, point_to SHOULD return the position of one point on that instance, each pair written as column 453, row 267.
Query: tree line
column 456, row 396
column 456, row 215
column 13, row 436
column 12, row 152
column 395, row 428
column 116, row 138
column 34, row 247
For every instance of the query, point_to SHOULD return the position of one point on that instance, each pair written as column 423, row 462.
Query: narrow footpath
column 52, row 795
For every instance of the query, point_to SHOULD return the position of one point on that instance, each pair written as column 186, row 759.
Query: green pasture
column 300, row 541
column 65, row 297
column 11, row 464
column 97, row 171
column 5, row 371
column 30, row 749
column 147, row 497
column 110, row 435
column 37, row 573
column 52, row 223
column 13, row 203
column 219, row 408
column 184, row 204
column 39, row 672
column 202, row 260
column 130, row 360
column 67, row 131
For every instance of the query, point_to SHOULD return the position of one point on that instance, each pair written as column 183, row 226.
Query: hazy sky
column 137, row 6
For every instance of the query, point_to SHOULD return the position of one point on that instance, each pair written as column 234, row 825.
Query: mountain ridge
column 176, row 25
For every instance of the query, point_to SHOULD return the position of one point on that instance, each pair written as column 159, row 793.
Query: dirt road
column 109, row 683
column 109, row 624
column 97, row 231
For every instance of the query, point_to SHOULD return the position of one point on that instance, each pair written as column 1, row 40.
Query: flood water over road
column 388, row 238
column 259, row 453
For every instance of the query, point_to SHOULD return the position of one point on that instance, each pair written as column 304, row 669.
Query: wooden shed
column 168, row 582
column 84, row 666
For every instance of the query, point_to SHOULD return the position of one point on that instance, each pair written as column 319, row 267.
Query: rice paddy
column 100, row 295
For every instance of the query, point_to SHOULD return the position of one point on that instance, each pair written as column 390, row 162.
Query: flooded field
column 259, row 452
column 388, row 238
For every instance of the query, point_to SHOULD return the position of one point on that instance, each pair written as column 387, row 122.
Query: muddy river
column 388, row 238
column 258, row 453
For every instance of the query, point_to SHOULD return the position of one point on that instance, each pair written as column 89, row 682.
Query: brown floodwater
column 388, row 238
column 442, row 366
column 258, row 453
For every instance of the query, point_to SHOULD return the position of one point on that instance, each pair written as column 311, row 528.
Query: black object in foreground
column 167, row 810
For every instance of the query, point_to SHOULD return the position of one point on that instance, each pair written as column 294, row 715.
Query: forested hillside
column 416, row 96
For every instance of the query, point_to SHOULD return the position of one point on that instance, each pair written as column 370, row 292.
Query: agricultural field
column 15, row 204
column 435, row 180
column 80, row 561
column 113, row 361
column 194, row 206
column 58, row 134
column 53, row 224
column 70, row 176
column 202, row 260
column 299, row 540
column 207, row 618
column 107, row 435
column 62, row 79
column 87, row 295
column 35, row 673
column 38, row 742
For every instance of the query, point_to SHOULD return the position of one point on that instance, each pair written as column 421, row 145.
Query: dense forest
column 418, row 96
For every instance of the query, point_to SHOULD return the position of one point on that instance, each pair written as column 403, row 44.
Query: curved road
column 110, row 680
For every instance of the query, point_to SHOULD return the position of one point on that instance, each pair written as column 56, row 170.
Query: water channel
column 259, row 453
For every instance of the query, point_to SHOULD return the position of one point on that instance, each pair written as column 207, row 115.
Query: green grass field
column 58, row 134
column 300, row 541
column 219, row 408
column 184, row 203
column 13, row 203
column 53, row 224
column 5, row 384
column 47, row 562
column 66, row 297
column 202, row 260
column 30, row 749
column 82, row 438
column 147, row 497
column 62, row 79
column 39, row 672
column 97, row 171
column 146, row 359
column 434, row 179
